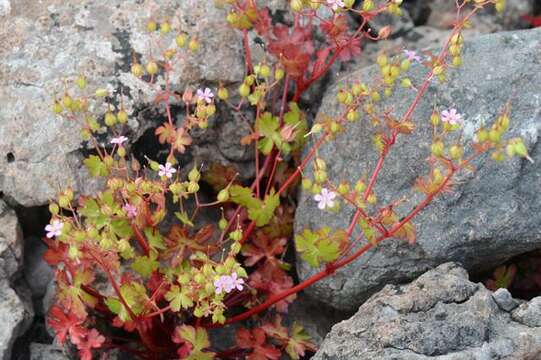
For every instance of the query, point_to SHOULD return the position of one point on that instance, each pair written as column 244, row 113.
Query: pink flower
column 119, row 140
column 227, row 283
column 412, row 55
column 130, row 210
column 451, row 116
column 205, row 95
column 167, row 170
column 54, row 229
column 325, row 199
column 335, row 4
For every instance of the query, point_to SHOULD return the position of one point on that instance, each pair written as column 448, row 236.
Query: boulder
column 441, row 315
column 492, row 213
column 48, row 42
column 16, row 311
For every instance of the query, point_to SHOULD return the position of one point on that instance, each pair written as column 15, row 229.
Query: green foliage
column 319, row 246
column 260, row 211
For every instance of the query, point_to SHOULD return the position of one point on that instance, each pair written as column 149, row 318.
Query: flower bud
column 165, row 28
column 122, row 117
column 279, row 74
column 193, row 187
column 151, row 26
column 244, row 90
column 223, row 195
column 193, row 45
column 222, row 224
column 194, row 175
column 81, row 82
column 437, row 148
column 360, row 186
column 223, row 94
column 137, row 70
column 306, row 183
column 152, row 67
column 343, row 188
column 110, row 118
column 456, row 152
column 180, row 39
column 296, row 5
column 54, row 209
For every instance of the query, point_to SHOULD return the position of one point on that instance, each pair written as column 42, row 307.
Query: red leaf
column 63, row 323
column 294, row 50
column 255, row 339
column 263, row 247
column 535, row 21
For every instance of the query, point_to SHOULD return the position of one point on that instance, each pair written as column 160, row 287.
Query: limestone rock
column 441, row 315
column 492, row 214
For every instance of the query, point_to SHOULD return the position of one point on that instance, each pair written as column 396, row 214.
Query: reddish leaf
column 63, row 324
column 272, row 279
column 294, row 50
column 263, row 247
column 535, row 21
column 255, row 339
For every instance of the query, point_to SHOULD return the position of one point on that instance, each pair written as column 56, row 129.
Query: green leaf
column 145, row 265
column 198, row 339
column 368, row 231
column 259, row 211
column 154, row 238
column 113, row 304
column 243, row 196
column 320, row 246
column 90, row 208
column 182, row 216
column 95, row 166
column 263, row 214
column 267, row 124
column 268, row 128
column 265, row 145
column 178, row 299
column 121, row 228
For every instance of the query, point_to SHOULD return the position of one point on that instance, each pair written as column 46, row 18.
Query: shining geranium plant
column 139, row 270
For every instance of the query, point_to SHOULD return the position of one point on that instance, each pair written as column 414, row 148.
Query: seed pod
column 152, row 67
column 223, row 195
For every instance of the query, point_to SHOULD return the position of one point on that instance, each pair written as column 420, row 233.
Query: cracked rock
column 47, row 42
column 441, row 315
column 491, row 215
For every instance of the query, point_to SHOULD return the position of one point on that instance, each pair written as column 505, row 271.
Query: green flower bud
column 194, row 175
column 81, row 82
column 223, row 195
column 152, row 67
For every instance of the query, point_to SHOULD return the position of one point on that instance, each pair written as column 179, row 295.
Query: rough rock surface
column 441, row 315
column 15, row 314
column 46, row 352
column 37, row 272
column 442, row 14
column 46, row 42
column 492, row 214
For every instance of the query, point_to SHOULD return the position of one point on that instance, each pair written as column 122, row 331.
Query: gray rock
column 11, row 242
column 37, row 272
column 529, row 314
column 491, row 215
column 16, row 311
column 441, row 315
column 15, row 317
column 443, row 14
column 504, row 299
column 47, row 42
column 46, row 352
